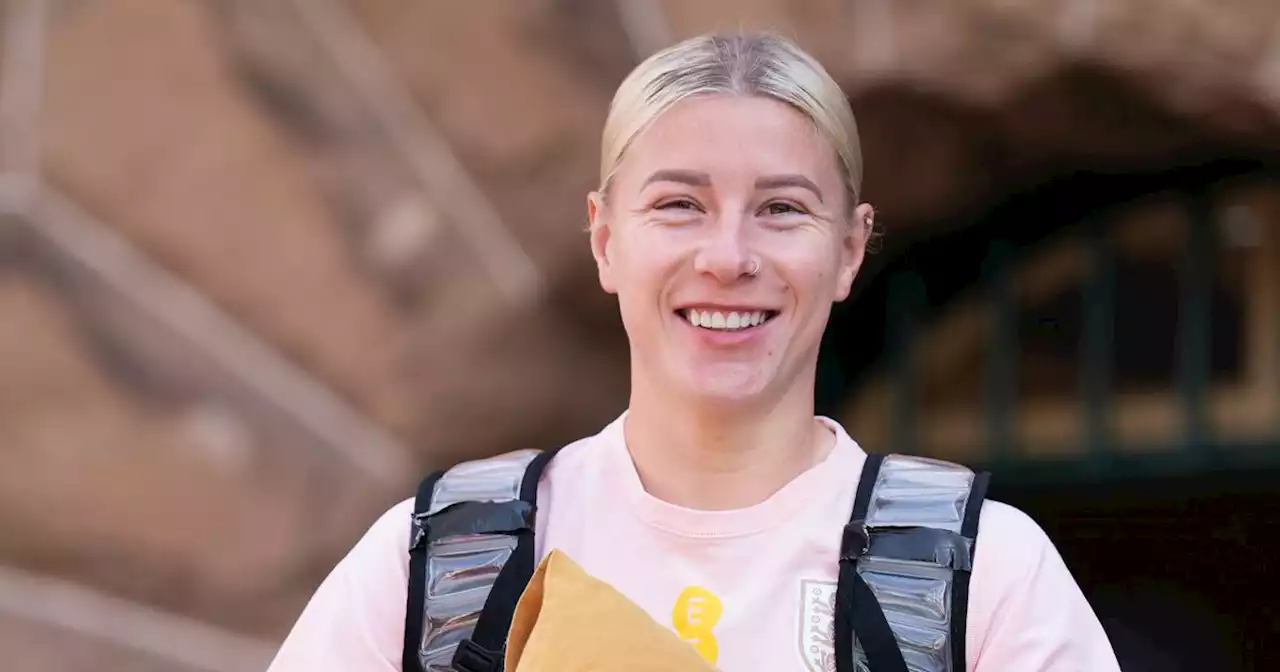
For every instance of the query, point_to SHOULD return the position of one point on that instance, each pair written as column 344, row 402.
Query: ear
column 853, row 248
column 601, row 236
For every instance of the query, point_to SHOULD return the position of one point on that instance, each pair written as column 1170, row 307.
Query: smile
column 715, row 320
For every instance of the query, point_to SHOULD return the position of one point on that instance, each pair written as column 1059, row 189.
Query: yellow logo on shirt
column 696, row 612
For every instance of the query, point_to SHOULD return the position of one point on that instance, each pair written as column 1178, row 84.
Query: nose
column 725, row 254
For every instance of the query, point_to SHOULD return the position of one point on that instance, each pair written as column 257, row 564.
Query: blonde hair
column 746, row 65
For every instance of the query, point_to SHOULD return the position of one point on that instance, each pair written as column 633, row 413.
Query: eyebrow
column 692, row 178
column 699, row 179
column 778, row 181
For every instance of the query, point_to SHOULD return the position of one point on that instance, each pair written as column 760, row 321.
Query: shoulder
column 1026, row 610
column 572, row 477
column 393, row 524
column 383, row 550
column 355, row 618
column 1009, row 556
column 571, row 457
column 1008, row 537
column 574, row 457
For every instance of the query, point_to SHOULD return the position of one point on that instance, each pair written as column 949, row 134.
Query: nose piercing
column 755, row 267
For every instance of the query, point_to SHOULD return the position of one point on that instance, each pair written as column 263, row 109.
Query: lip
column 726, row 308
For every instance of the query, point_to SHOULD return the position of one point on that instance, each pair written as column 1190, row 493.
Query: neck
column 717, row 458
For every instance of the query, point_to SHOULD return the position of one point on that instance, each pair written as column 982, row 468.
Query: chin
column 727, row 390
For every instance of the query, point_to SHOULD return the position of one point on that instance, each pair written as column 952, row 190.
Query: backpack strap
column 960, row 583
column 483, row 651
column 471, row 556
column 911, row 535
column 415, row 607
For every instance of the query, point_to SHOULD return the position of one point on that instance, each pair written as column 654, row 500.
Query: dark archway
column 952, row 262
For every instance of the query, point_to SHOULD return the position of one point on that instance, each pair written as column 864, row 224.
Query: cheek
column 648, row 255
column 642, row 268
column 811, row 269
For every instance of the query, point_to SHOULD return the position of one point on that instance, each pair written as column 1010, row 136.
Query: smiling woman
column 727, row 222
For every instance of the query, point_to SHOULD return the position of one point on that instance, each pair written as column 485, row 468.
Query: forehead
column 729, row 136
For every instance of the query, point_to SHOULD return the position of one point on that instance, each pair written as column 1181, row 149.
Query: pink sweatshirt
column 747, row 588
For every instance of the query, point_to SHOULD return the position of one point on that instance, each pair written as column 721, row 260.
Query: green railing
column 1101, row 453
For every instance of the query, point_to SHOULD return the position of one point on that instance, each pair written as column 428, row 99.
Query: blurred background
column 263, row 263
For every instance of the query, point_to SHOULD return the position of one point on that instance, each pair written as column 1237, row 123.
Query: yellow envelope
column 568, row 621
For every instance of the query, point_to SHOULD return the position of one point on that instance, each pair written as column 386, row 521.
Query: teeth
column 724, row 321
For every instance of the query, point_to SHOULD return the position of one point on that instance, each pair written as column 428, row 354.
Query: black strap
column 414, row 606
column 857, row 609
column 871, row 626
column 866, row 487
column 483, row 651
column 960, row 579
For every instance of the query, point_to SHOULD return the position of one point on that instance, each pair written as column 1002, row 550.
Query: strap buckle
column 471, row 657
column 855, row 542
column 417, row 531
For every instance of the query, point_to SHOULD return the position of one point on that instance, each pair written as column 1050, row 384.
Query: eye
column 782, row 208
column 677, row 204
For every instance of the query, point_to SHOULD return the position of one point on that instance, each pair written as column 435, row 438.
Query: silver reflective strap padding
column 462, row 569
column 915, row 594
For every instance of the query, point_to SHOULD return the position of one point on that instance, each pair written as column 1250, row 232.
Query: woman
column 727, row 222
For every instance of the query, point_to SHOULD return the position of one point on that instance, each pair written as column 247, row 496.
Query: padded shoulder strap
column 913, row 530
column 470, row 558
column 483, row 652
